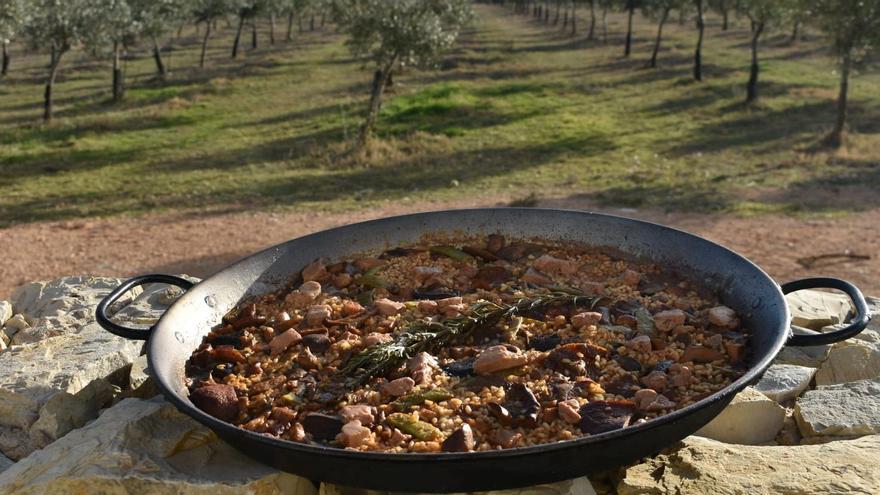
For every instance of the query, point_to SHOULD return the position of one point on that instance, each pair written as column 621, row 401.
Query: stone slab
column 750, row 418
column 783, row 382
column 145, row 446
column 847, row 409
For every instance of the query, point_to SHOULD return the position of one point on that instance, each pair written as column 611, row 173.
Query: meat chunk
column 377, row 338
column 461, row 440
column 281, row 342
column 630, row 277
column 283, row 414
column 640, row 344
column 421, row 367
column 550, row 264
column 722, row 316
column 307, row 293
column 655, row 380
column 535, row 277
column 679, row 375
column 387, row 307
column 218, row 400
column 317, row 314
column 398, row 387
column 490, row 276
column 568, row 411
column 665, row 321
column 315, row 271
column 495, row 242
column 506, row 438
column 586, row 319
column 700, row 354
column 351, row 308
column 353, row 435
column 649, row 400
column 358, row 412
column 602, row 416
column 497, row 358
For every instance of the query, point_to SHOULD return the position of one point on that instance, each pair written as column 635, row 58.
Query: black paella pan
column 739, row 283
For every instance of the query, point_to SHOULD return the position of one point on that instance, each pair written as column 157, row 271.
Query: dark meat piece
column 218, row 340
column 399, row 252
column 520, row 407
column 434, row 293
column 495, row 242
column 602, row 416
column 221, row 371
column 544, row 342
column 626, row 386
column 246, row 318
column 519, row 250
column 218, row 400
column 228, row 354
column 490, row 276
column 478, row 252
column 663, row 365
column 463, row 367
column 628, row 363
column 322, row 426
column 575, row 359
column 461, row 440
column 316, row 342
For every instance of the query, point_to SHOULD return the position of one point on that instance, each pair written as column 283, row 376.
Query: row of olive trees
column 106, row 28
column 851, row 26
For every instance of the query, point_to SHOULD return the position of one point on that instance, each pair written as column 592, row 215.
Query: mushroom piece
column 322, row 426
column 574, row 359
column 601, row 416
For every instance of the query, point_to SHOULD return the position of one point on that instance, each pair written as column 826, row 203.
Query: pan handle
column 858, row 323
column 133, row 333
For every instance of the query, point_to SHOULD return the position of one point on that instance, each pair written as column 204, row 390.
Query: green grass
column 516, row 109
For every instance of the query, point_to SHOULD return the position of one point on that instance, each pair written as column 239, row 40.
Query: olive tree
column 209, row 11
column 853, row 27
column 59, row 26
column 113, row 27
column 701, row 30
column 156, row 18
column 630, row 6
column 12, row 18
column 248, row 10
column 725, row 7
column 398, row 32
column 659, row 10
column 762, row 15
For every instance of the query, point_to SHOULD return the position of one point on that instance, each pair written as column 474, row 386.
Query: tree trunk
column 380, row 78
column 323, row 19
column 205, row 46
column 605, row 24
column 573, row 19
column 837, row 136
column 558, row 7
column 312, row 23
column 237, row 42
column 698, row 53
column 752, row 88
column 565, row 20
column 795, row 32
column 681, row 17
column 289, row 35
column 659, row 37
column 118, row 82
column 157, row 56
column 180, row 30
column 547, row 13
column 50, row 84
column 725, row 21
column 5, row 68
column 272, row 29
column 592, row 33
column 629, row 29
column 254, row 34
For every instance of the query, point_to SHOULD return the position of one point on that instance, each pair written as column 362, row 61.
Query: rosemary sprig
column 428, row 336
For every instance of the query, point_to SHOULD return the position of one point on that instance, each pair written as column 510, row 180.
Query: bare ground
column 202, row 243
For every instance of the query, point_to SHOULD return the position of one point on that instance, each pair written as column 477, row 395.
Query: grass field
column 517, row 109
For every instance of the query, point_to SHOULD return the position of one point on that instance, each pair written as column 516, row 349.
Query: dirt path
column 200, row 244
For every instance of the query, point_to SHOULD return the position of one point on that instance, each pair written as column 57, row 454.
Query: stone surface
column 62, row 369
column 782, row 382
column 145, row 446
column 5, row 312
column 5, row 463
column 751, row 418
column 579, row 486
column 851, row 360
column 700, row 465
column 840, row 410
column 815, row 309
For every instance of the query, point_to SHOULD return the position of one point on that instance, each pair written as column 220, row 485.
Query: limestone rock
column 751, row 419
column 578, row 486
column 143, row 446
column 849, row 361
column 782, row 382
column 140, row 381
column 815, row 309
column 5, row 312
column 700, row 465
column 14, row 325
column 840, row 410
column 5, row 463
column 58, row 372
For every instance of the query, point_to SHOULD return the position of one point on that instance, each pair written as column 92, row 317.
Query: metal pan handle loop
column 857, row 324
column 133, row 333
